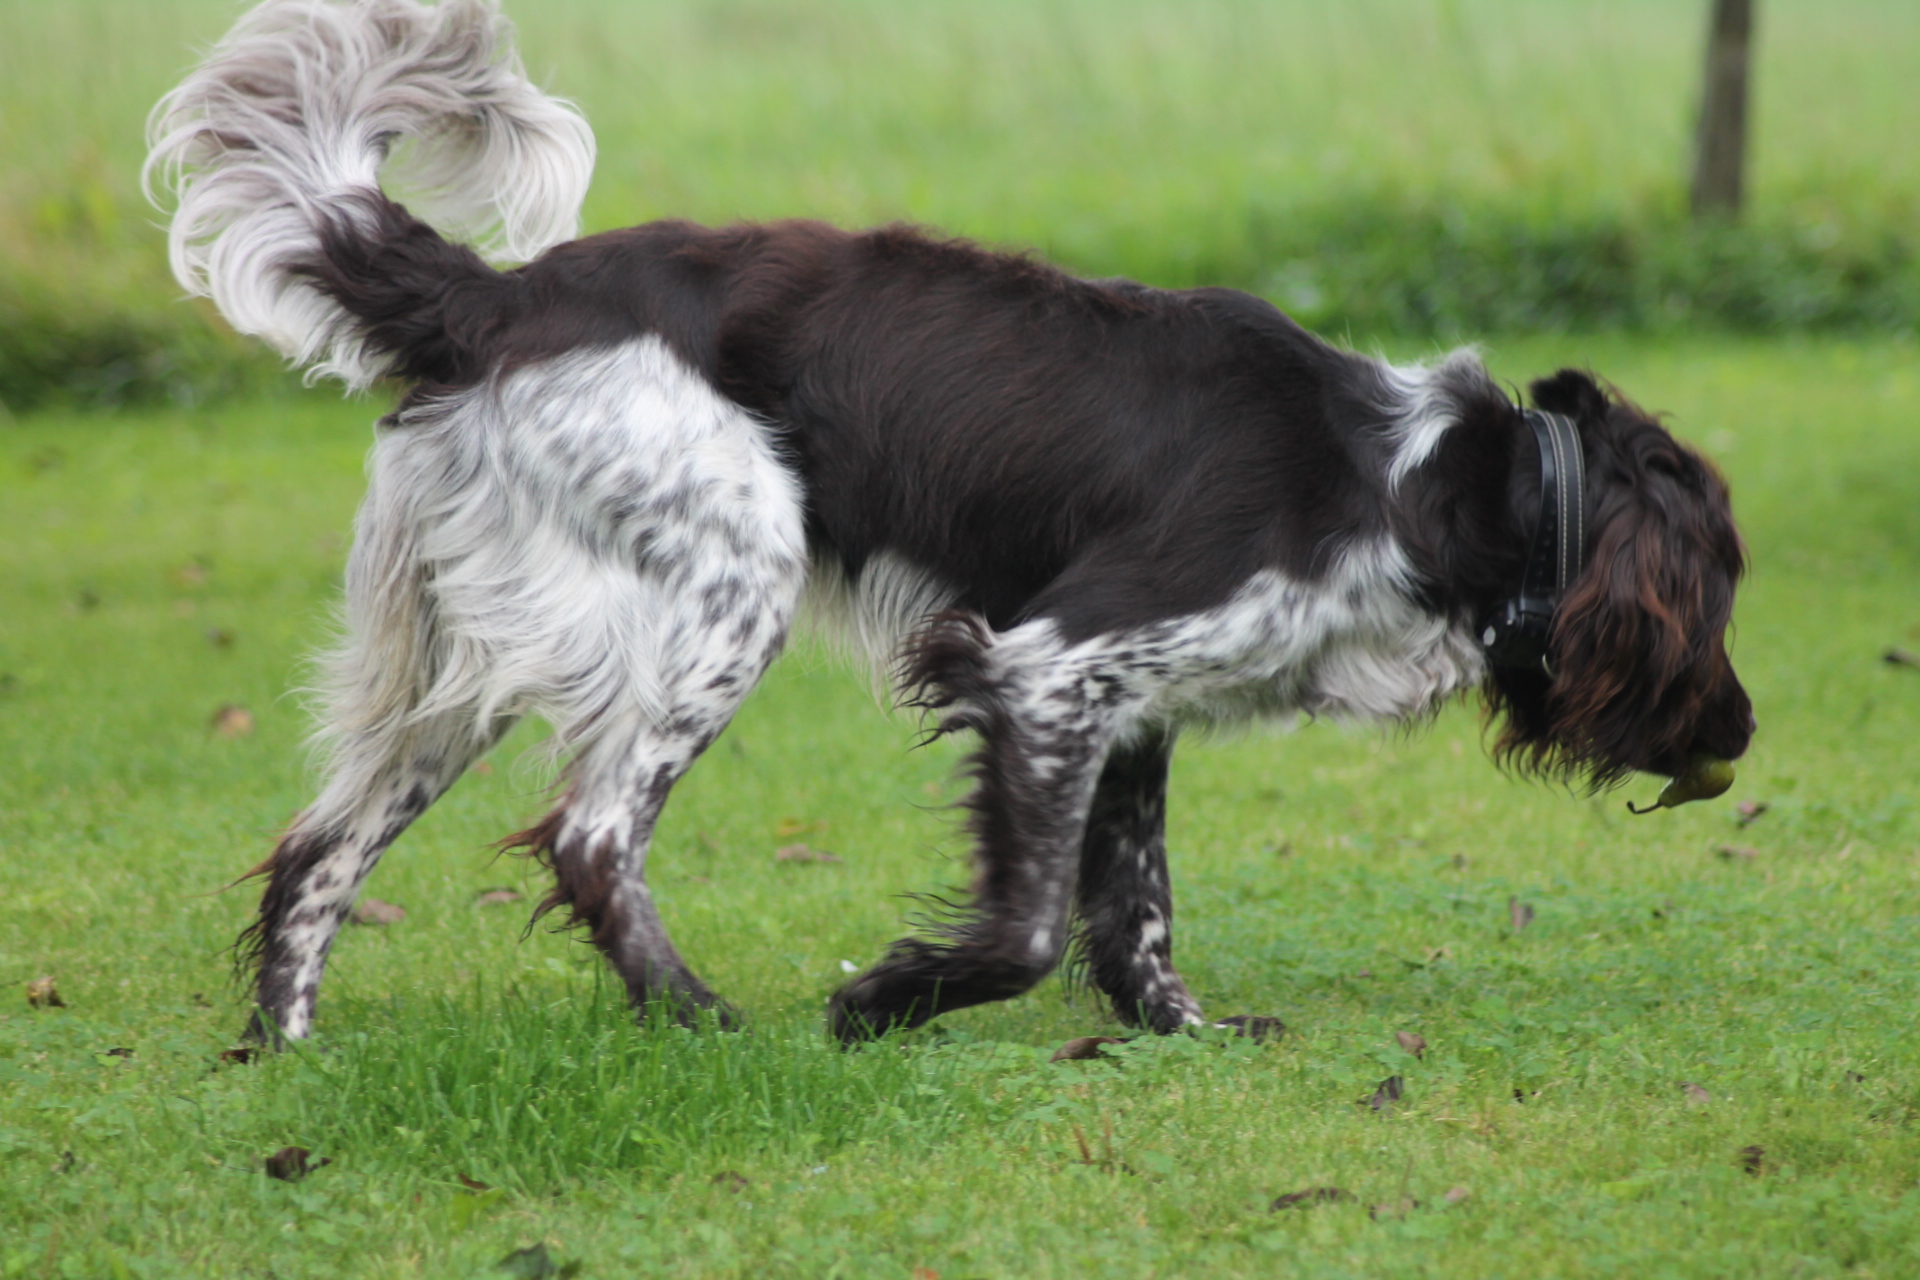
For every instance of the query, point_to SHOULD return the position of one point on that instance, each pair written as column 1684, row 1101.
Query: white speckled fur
column 602, row 540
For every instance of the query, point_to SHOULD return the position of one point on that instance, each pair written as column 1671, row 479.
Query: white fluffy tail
column 283, row 130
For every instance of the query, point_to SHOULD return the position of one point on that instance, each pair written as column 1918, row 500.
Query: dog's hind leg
column 1125, row 899
column 596, row 841
column 381, row 783
column 1046, row 713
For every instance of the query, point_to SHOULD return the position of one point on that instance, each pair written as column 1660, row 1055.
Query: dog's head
column 1637, row 674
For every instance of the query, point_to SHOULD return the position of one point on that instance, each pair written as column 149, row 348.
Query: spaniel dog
column 1071, row 516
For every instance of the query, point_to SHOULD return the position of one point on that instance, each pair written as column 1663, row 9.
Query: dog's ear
column 1572, row 393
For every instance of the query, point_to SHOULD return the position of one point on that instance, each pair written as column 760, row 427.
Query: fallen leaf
column 1854, row 1077
column 484, row 769
column 1519, row 913
column 1459, row 861
column 1386, row 1095
column 1412, row 1042
column 200, row 1000
column 535, row 1263
column 1456, row 1194
column 925, row 1273
column 495, row 897
column 1255, row 1027
column 1393, row 1210
column 802, row 853
column 86, row 600
column 1082, row 1048
column 731, row 1180
column 1435, row 955
column 1747, row 810
column 192, row 574
column 1696, row 1096
column 67, row 1163
column 220, row 637
column 119, row 1051
column 290, row 1164
column 374, row 911
column 232, row 721
column 1753, row 1159
column 43, row 994
column 1310, row 1197
column 1736, row 853
column 239, row 1057
column 1283, row 850
column 1901, row 658
column 1364, row 973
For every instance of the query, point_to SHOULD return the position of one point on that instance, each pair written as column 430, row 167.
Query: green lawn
column 1355, row 884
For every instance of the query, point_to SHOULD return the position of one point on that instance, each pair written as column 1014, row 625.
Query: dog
column 1070, row 516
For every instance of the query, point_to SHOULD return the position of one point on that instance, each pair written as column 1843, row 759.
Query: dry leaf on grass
column 220, row 637
column 290, row 1164
column 484, row 769
column 1255, row 1027
column 232, row 721
column 43, row 994
column 495, row 897
column 1696, row 1096
column 1519, row 913
column 731, row 1180
column 1392, row 1210
column 374, row 911
column 239, row 1057
column 1753, row 1159
column 473, row 1184
column 1412, row 1042
column 1747, row 810
column 1456, row 1194
column 1082, row 1048
column 535, row 1263
column 1389, row 1092
column 1901, row 658
column 802, row 853
column 1310, row 1197
column 1736, row 853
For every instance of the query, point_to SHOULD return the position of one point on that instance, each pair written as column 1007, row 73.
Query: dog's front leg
column 1045, row 720
column 1125, row 898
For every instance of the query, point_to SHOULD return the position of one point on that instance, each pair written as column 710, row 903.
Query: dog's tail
column 273, row 150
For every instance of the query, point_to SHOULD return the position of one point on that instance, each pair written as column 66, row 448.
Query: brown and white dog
column 1075, row 515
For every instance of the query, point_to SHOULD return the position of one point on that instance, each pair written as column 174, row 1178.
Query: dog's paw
column 1254, row 1027
column 854, row 1017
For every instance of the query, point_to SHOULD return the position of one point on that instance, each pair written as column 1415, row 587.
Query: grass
column 166, row 564
column 1386, row 166
column 1381, row 168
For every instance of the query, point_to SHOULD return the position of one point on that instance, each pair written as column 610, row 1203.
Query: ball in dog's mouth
column 1704, row 778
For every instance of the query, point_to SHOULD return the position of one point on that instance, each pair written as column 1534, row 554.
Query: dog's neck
column 1462, row 487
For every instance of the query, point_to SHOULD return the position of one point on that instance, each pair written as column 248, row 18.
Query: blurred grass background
column 1376, row 167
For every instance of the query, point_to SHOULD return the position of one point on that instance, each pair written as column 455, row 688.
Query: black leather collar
column 1515, row 634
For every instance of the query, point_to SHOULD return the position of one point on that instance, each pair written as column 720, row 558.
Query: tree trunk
column 1720, row 155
